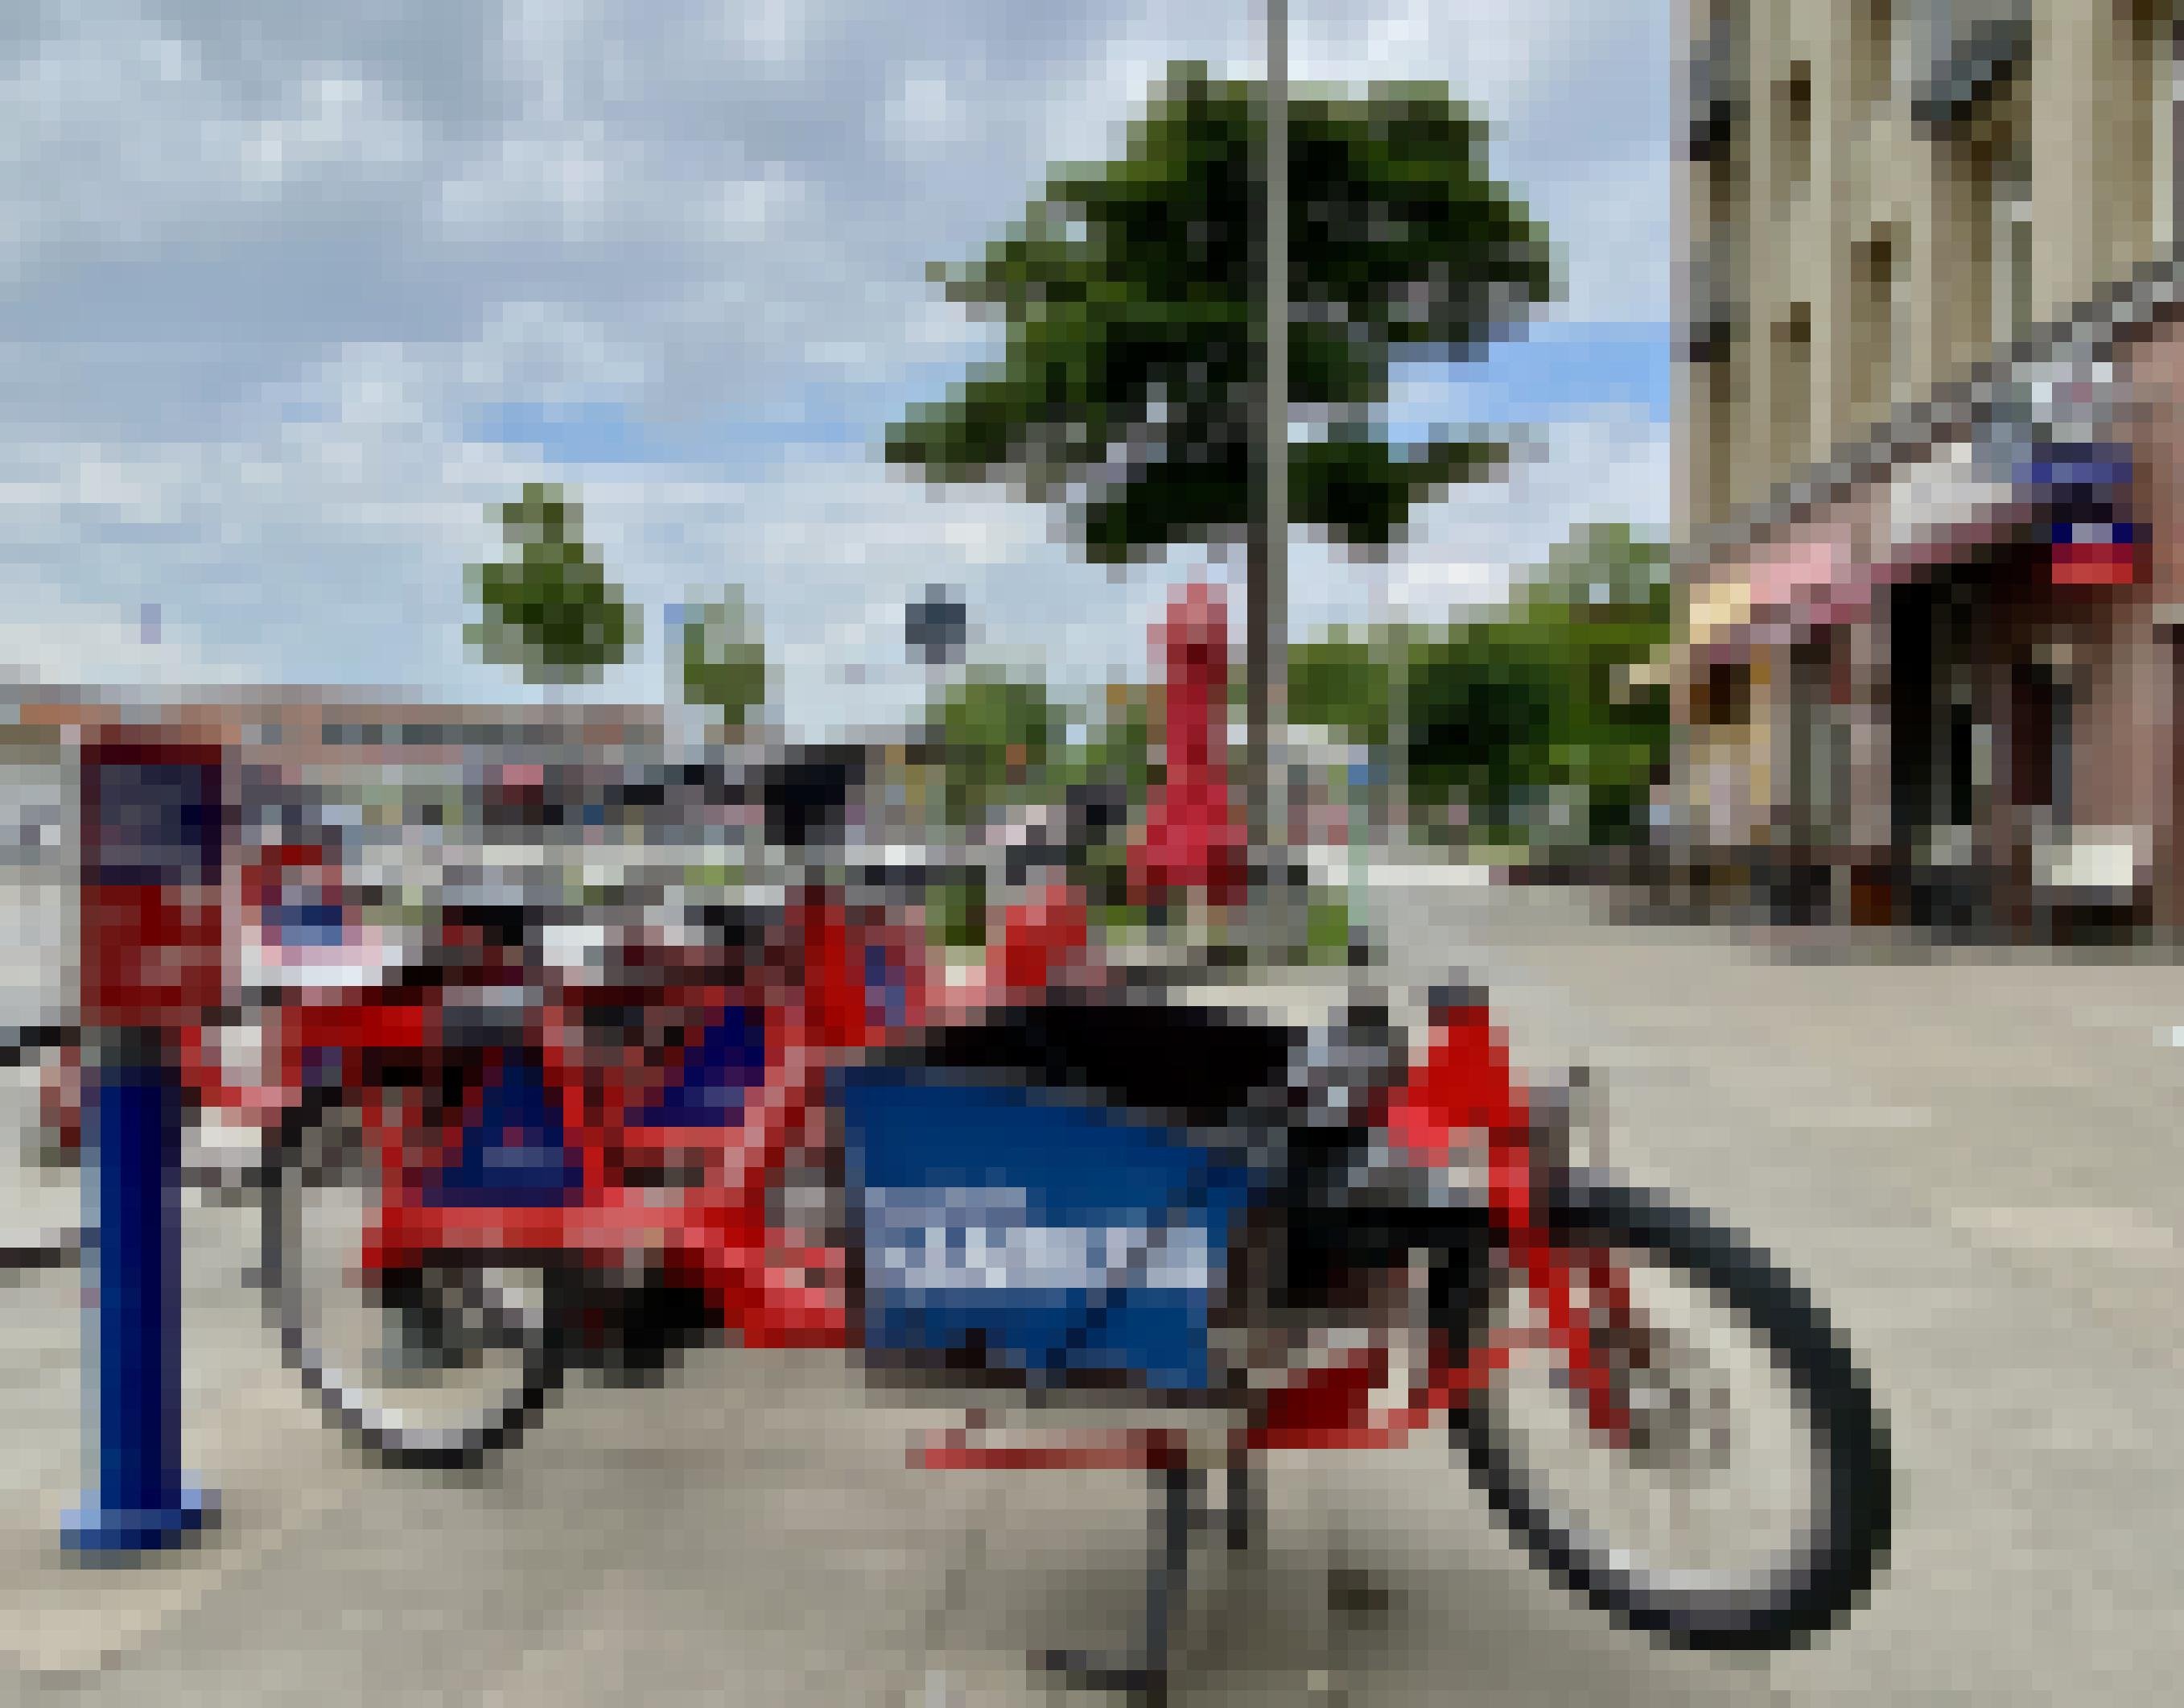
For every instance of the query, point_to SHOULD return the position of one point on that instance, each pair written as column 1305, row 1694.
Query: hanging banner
column 1820, row 579
column 2086, row 492
column 1956, row 502
column 2093, row 554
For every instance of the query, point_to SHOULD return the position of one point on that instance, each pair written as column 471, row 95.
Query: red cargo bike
column 1051, row 1187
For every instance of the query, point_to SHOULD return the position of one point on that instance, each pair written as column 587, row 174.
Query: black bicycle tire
column 545, row 1368
column 1850, row 1541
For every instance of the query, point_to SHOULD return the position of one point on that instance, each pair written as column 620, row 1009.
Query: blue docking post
column 132, row 1201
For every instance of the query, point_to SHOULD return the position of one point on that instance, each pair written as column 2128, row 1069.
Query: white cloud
column 1604, row 466
column 830, row 548
column 926, row 115
column 57, row 644
column 546, row 353
column 333, row 246
column 116, row 134
column 329, row 121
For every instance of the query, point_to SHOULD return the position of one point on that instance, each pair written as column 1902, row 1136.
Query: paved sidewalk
column 1974, row 1165
column 40, row 1205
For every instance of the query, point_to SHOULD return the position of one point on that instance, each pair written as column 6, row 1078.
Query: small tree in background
column 1132, row 291
column 723, row 659
column 1513, row 711
column 1511, row 707
column 997, row 738
column 549, row 610
column 1133, row 384
column 1341, row 680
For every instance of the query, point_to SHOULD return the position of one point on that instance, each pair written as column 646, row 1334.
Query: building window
column 1793, row 129
column 1721, row 697
column 2020, row 269
column 2013, row 249
column 1972, row 53
column 2061, row 746
column 2169, row 122
column 1968, row 758
column 1715, row 96
column 1792, row 400
column 1721, row 437
column 1873, row 267
column 1876, row 52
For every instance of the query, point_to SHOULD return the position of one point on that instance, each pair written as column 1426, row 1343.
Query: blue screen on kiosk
column 156, row 824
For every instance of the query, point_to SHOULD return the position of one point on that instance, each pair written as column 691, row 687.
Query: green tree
column 1341, row 680
column 1133, row 291
column 724, row 658
column 996, row 738
column 549, row 610
column 1605, row 571
column 1536, row 699
column 1484, row 701
column 1119, row 748
column 1133, row 297
column 1606, row 602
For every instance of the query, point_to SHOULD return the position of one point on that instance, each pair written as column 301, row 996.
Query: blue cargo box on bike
column 1018, row 1200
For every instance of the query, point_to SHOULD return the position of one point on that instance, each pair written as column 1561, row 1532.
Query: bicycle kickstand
column 1143, row 1675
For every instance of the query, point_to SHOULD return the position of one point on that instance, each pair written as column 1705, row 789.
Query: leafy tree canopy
column 724, row 658
column 1538, row 699
column 995, row 735
column 1344, row 682
column 550, row 610
column 1133, row 294
column 1534, row 696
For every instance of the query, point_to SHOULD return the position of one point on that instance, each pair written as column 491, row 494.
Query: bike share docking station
column 152, row 959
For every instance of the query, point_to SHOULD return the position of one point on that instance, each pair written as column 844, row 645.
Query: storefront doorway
column 1941, row 758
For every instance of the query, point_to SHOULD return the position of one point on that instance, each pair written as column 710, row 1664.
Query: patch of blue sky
column 602, row 434
column 1555, row 371
column 597, row 434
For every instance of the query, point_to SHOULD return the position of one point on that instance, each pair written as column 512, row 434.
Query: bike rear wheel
column 439, row 1366
column 1747, row 1507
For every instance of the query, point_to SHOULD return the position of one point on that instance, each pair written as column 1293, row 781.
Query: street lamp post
column 1266, row 567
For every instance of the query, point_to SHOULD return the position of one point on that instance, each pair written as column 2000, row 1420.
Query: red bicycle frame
column 714, row 1233
column 1459, row 1099
column 1459, row 1103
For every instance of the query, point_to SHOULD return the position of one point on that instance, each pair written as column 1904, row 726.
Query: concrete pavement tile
column 276, row 1474
column 40, row 1205
column 817, row 1583
column 411, row 1590
column 1062, row 1565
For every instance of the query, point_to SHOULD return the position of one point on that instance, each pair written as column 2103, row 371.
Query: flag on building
column 2100, row 553
column 2091, row 541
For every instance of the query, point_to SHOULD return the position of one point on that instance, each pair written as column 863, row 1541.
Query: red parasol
column 1192, row 838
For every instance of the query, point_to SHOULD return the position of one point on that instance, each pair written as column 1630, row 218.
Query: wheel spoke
column 428, row 1365
column 1717, row 1477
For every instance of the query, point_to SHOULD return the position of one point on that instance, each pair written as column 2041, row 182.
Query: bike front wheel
column 439, row 1366
column 1746, row 1505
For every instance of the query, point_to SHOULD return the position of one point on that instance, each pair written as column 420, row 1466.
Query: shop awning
column 1721, row 612
column 1950, row 503
column 1812, row 580
column 1811, row 583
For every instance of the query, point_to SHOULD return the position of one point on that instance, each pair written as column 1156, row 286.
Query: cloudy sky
column 291, row 294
